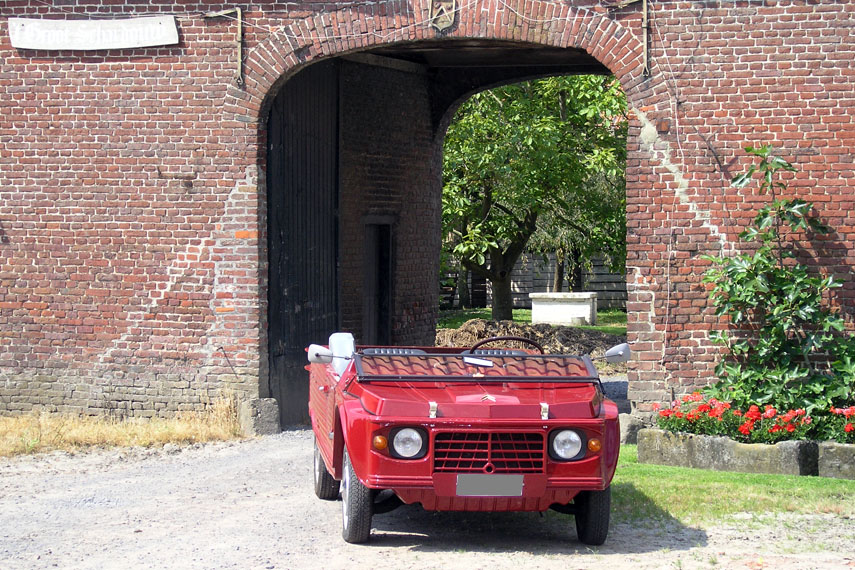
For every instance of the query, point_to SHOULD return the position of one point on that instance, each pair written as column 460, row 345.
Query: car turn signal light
column 380, row 442
column 594, row 445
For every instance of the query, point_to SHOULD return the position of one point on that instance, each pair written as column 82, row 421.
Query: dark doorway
column 303, row 230
column 377, row 298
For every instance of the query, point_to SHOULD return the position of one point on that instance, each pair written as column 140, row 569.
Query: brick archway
column 342, row 31
column 351, row 30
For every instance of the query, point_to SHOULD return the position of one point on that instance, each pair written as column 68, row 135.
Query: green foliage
column 543, row 158
column 785, row 346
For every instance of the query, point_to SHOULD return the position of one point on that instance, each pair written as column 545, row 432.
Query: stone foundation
column 723, row 454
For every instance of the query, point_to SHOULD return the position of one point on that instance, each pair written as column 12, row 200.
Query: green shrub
column 785, row 346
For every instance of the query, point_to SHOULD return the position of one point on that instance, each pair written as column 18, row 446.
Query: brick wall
column 388, row 174
column 133, row 268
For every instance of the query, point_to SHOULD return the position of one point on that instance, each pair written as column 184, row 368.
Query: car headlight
column 566, row 445
column 409, row 443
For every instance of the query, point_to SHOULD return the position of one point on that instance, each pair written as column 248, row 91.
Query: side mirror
column 619, row 353
column 319, row 354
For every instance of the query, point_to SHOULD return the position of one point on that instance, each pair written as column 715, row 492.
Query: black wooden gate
column 302, row 184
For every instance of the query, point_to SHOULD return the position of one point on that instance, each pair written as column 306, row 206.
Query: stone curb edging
column 723, row 454
column 837, row 460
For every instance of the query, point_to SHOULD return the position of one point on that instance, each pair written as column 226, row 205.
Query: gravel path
column 250, row 505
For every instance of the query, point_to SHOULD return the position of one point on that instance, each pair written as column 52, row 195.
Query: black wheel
column 357, row 505
column 326, row 487
column 501, row 338
column 592, row 516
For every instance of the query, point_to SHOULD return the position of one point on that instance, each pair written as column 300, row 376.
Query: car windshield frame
column 475, row 362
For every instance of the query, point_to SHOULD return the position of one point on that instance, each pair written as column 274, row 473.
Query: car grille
column 479, row 452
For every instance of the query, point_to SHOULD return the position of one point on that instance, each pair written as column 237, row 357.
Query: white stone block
column 564, row 308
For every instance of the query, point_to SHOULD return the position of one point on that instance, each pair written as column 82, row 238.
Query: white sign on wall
column 30, row 33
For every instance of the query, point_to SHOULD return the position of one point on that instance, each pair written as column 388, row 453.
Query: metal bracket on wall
column 645, row 27
column 238, row 41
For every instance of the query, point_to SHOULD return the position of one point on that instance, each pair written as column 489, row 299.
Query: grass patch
column 41, row 431
column 453, row 319
column 643, row 492
column 609, row 321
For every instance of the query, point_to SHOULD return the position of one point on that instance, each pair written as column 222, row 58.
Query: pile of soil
column 554, row 339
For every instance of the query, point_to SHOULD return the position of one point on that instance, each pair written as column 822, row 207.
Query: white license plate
column 478, row 485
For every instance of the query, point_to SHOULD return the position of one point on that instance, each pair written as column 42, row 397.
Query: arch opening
column 392, row 104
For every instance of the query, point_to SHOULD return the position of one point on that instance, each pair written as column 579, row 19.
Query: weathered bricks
column 132, row 191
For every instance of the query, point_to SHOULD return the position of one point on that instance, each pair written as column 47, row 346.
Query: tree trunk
column 503, row 301
column 465, row 300
column 576, row 278
column 558, row 276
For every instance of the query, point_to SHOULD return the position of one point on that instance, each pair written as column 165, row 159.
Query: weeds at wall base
column 43, row 431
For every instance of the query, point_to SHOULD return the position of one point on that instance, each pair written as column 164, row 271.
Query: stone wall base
column 723, row 454
column 837, row 460
column 259, row 416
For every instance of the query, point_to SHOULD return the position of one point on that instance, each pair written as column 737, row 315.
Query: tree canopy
column 538, row 164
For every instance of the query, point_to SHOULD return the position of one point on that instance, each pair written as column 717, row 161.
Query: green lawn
column 655, row 493
column 611, row 321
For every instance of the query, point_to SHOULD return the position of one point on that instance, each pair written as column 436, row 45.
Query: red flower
column 753, row 413
column 737, row 413
column 791, row 428
column 656, row 406
column 848, row 428
column 775, row 428
column 770, row 412
column 746, row 428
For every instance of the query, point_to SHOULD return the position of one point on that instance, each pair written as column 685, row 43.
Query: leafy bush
column 786, row 348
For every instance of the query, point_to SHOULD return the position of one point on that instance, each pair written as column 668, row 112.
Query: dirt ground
column 250, row 505
column 553, row 339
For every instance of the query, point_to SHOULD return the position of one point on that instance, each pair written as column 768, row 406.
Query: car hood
column 474, row 400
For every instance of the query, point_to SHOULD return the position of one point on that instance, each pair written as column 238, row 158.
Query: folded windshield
column 477, row 367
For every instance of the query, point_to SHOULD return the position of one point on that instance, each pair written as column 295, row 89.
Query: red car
column 479, row 429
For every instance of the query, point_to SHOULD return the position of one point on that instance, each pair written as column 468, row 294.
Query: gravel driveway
column 250, row 505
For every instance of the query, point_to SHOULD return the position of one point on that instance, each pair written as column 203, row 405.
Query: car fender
column 611, row 443
column 356, row 428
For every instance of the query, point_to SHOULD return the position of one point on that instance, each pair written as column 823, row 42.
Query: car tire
column 326, row 487
column 592, row 516
column 357, row 505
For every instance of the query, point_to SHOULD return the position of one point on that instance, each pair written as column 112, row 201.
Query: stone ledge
column 571, row 309
column 722, row 454
column 259, row 416
column 837, row 460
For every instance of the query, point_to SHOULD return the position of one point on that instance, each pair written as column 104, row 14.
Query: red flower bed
column 842, row 424
column 694, row 414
